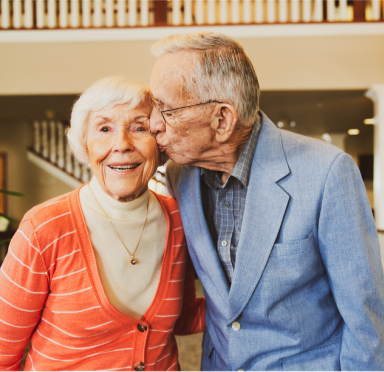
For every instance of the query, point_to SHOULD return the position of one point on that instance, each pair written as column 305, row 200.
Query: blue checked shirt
column 224, row 204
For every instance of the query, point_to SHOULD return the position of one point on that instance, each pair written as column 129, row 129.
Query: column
column 175, row 12
column 75, row 13
column 63, row 13
column 235, row 11
column 132, row 12
column 259, row 16
column 283, row 12
column 211, row 11
column 16, row 13
column 28, row 14
column 40, row 14
column 144, row 12
column 5, row 14
column 223, row 12
column 199, row 12
column 51, row 13
column 109, row 8
column 86, row 13
column 187, row 12
column 247, row 11
column 271, row 11
column 307, row 10
column 295, row 11
column 376, row 94
column 121, row 15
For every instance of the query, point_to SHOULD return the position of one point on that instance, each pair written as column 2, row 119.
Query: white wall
column 281, row 63
column 22, row 176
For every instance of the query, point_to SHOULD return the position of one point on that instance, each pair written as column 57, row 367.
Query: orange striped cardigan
column 50, row 288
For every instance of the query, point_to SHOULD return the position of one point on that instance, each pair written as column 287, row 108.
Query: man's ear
column 224, row 122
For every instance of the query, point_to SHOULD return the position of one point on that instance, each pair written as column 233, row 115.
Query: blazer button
column 236, row 326
column 142, row 327
column 139, row 366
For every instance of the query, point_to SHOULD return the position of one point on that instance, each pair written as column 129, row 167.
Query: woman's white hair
column 102, row 95
column 222, row 71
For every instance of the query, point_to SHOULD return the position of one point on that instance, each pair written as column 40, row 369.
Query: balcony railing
column 75, row 14
column 51, row 152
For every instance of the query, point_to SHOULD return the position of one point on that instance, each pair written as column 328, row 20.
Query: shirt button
column 142, row 327
column 236, row 326
column 224, row 243
column 226, row 204
column 139, row 366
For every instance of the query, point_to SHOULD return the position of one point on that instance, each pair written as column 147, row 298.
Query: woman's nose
column 124, row 141
column 156, row 122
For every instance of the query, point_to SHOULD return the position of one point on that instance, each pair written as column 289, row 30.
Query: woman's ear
column 224, row 122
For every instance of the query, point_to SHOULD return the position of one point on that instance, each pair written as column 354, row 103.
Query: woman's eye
column 104, row 129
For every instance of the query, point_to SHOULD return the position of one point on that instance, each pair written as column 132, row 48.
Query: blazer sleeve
column 192, row 317
column 349, row 247
column 23, row 291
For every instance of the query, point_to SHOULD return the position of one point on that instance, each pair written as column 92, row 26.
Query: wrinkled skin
column 206, row 135
column 120, row 137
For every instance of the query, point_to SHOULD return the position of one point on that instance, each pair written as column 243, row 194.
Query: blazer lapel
column 201, row 241
column 265, row 207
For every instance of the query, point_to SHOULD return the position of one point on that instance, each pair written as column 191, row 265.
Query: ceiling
column 315, row 112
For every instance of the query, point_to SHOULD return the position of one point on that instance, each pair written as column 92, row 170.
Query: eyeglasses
column 178, row 108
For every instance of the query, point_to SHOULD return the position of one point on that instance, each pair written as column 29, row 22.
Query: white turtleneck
column 129, row 288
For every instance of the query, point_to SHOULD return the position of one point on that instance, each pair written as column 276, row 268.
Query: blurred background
column 320, row 66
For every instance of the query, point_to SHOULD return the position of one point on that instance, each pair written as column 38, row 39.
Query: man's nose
column 156, row 122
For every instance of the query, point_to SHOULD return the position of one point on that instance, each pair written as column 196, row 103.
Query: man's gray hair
column 223, row 72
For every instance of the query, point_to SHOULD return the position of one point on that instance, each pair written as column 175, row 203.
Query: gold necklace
column 133, row 260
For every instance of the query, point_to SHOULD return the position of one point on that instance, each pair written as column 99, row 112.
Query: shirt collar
column 242, row 168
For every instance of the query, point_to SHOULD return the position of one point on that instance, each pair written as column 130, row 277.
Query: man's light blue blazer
column 308, row 287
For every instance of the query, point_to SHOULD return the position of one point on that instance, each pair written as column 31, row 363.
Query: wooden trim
column 160, row 10
column 359, row 11
column 3, row 181
column 380, row 231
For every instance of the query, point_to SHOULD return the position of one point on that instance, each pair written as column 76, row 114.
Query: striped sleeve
column 23, row 291
column 192, row 317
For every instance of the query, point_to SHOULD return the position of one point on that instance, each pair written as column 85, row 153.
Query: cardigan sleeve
column 192, row 317
column 23, row 291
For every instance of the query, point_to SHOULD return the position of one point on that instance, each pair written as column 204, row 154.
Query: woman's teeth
column 122, row 168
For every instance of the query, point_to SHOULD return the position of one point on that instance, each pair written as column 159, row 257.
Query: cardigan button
column 139, row 366
column 142, row 327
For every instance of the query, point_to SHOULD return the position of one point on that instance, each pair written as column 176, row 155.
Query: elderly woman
column 100, row 277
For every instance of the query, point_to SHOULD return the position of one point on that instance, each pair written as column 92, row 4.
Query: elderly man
column 278, row 225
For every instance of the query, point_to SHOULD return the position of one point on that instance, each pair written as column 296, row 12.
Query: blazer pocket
column 294, row 248
column 208, row 359
column 324, row 358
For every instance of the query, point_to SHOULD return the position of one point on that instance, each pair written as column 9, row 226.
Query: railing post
column 211, row 11
column 63, row 13
column 109, row 13
column 187, row 12
column 76, row 168
column 86, row 7
column 343, row 10
column 318, row 13
column 376, row 10
column 60, row 145
column 68, row 159
column 121, row 16
column 84, row 173
column 359, row 11
column 295, row 11
column 44, row 138
column 246, row 11
column 144, row 12
column 175, row 12
column 283, row 11
column 97, row 13
column 28, row 14
column 223, row 12
column 331, row 10
column 307, row 10
column 75, row 13
column 16, row 13
column 259, row 16
column 5, row 14
column 271, row 11
column 36, row 137
column 199, row 12
column 235, row 16
column 40, row 13
column 51, row 13
column 132, row 12
column 52, row 140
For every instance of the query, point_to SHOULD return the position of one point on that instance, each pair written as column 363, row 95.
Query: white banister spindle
column 86, row 10
column 235, row 16
column 75, row 14
column 376, row 10
column 68, row 159
column 52, row 142
column 318, row 13
column 51, row 13
column 40, row 13
column 60, row 145
column 246, row 11
column 5, row 14
column 199, row 12
column 132, row 12
column 28, row 14
column 187, row 12
column 121, row 15
column 223, row 12
column 283, row 11
column 16, row 13
column 307, row 10
column 330, row 10
column 271, row 11
column 36, row 137
column 343, row 10
column 259, row 16
column 84, row 173
column 109, row 13
column 63, row 13
column 295, row 11
column 44, row 139
column 97, row 13
column 76, row 168
column 144, row 11
column 175, row 12
column 211, row 11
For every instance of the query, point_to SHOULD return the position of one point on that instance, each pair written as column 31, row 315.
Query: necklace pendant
column 133, row 261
